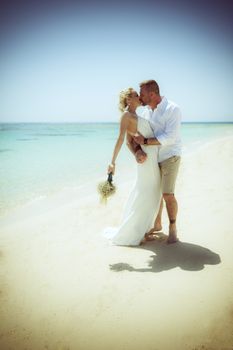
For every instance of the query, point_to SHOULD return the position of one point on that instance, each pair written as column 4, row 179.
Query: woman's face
column 133, row 99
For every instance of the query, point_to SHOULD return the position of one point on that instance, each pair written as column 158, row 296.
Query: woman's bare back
column 132, row 124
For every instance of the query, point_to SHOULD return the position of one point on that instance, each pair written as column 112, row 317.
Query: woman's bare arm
column 123, row 128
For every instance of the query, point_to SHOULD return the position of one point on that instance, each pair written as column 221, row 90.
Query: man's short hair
column 150, row 85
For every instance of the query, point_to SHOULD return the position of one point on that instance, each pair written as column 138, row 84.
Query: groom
column 165, row 119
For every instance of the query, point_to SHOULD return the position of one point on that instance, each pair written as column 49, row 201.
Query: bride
column 143, row 203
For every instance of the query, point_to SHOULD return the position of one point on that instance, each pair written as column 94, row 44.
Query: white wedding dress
column 143, row 203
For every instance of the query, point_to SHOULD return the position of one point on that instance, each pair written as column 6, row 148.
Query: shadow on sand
column 186, row 256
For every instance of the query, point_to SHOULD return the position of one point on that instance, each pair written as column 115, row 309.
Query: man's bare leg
column 172, row 208
column 158, row 220
column 157, row 224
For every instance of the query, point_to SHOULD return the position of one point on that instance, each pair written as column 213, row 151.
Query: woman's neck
column 132, row 110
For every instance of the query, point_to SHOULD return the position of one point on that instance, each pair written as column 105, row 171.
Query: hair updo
column 123, row 97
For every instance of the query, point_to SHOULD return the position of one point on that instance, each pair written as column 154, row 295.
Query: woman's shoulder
column 129, row 120
column 129, row 116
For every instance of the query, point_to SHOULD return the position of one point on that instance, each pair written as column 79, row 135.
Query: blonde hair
column 123, row 98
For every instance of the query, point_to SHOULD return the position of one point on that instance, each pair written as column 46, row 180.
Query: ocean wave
column 59, row 135
column 25, row 139
column 5, row 150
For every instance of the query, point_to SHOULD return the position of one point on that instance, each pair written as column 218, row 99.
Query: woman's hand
column 111, row 168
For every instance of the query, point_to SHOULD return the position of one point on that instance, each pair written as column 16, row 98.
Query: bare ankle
column 158, row 226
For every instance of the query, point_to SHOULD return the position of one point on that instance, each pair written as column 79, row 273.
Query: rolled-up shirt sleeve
column 172, row 128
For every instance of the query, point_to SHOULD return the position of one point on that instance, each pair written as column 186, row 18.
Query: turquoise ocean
column 40, row 159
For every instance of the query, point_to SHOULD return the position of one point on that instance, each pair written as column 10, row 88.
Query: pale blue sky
column 69, row 64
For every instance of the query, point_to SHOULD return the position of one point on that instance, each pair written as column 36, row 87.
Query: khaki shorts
column 168, row 170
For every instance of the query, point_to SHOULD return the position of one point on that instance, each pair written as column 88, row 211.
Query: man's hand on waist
column 140, row 156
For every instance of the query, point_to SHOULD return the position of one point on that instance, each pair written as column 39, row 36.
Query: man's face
column 144, row 96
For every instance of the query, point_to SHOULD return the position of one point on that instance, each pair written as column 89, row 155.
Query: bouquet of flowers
column 106, row 189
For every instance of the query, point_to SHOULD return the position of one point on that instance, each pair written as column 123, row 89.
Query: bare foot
column 154, row 230
column 154, row 236
column 157, row 227
column 149, row 236
column 147, row 239
column 151, row 232
column 172, row 238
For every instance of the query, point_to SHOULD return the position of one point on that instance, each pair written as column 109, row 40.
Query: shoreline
column 89, row 188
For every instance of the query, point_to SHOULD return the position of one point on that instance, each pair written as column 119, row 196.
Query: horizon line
column 105, row 122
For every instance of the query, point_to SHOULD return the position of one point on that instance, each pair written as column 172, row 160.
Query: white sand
column 64, row 287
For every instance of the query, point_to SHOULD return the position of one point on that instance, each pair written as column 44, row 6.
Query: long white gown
column 143, row 203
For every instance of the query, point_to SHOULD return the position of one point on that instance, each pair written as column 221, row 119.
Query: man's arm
column 132, row 145
column 172, row 128
column 141, row 140
column 168, row 136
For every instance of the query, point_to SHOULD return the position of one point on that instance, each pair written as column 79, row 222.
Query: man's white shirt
column 165, row 121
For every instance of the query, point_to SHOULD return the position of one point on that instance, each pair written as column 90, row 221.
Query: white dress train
column 143, row 203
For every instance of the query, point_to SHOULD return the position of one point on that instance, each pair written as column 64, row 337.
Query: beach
column 64, row 286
